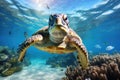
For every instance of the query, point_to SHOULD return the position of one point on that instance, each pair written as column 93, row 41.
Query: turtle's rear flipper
column 82, row 56
column 26, row 44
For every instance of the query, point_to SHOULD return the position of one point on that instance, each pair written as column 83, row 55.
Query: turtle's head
column 58, row 27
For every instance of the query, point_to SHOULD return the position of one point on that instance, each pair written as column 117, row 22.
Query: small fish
column 25, row 34
column 9, row 32
column 61, row 69
column 48, row 7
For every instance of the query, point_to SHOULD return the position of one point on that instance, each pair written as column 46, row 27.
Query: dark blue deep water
column 96, row 21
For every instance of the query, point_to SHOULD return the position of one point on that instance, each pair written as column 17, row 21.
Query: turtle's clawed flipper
column 62, row 45
column 82, row 55
column 26, row 44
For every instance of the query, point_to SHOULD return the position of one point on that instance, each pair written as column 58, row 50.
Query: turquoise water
column 96, row 21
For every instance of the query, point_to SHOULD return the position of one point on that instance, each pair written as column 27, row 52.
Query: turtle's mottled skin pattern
column 57, row 37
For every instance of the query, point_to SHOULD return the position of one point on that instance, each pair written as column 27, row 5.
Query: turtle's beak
column 64, row 28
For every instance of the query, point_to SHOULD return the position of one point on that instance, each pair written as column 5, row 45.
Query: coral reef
column 62, row 60
column 102, row 67
column 9, row 63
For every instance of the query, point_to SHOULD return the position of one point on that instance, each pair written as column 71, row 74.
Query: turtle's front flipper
column 26, row 44
column 82, row 52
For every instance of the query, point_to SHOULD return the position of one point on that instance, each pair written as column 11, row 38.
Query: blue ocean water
column 97, row 22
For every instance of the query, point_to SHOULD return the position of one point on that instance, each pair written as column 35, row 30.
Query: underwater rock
column 11, row 70
column 9, row 63
column 3, row 57
column 62, row 60
column 102, row 67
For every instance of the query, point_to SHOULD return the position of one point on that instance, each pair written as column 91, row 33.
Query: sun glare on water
column 41, row 4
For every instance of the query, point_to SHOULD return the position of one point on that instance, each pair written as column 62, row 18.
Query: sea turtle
column 58, row 37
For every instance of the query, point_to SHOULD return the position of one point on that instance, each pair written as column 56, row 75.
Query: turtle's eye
column 65, row 17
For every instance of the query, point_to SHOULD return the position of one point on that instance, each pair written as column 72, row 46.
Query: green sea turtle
column 58, row 37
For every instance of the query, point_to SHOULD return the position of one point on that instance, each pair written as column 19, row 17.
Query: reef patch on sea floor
column 9, row 63
column 61, row 60
column 102, row 67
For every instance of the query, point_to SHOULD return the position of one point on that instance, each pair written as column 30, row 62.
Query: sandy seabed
column 37, row 71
